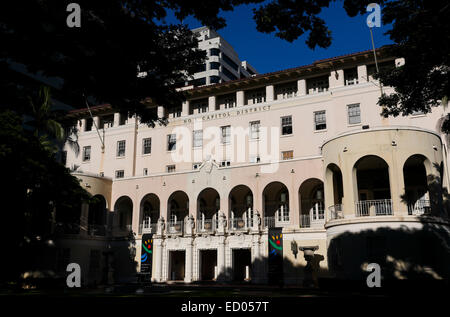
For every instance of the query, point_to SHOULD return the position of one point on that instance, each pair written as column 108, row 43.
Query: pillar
column 188, row 267
column 160, row 112
column 221, row 259
column 362, row 74
column 336, row 78
column 301, row 87
column 211, row 103
column 116, row 119
column 240, row 98
column 185, row 108
column 270, row 93
column 350, row 187
column 83, row 125
column 158, row 249
column 397, row 186
column 135, row 221
column 96, row 121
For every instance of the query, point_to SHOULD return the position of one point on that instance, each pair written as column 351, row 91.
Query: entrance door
column 177, row 265
column 241, row 260
column 208, row 264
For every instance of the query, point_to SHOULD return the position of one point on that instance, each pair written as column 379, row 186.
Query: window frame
column 144, row 146
column 196, row 132
column 283, row 125
column 353, row 105
column 227, row 138
column 318, row 123
column 169, row 136
column 117, row 176
column 118, row 148
column 87, row 147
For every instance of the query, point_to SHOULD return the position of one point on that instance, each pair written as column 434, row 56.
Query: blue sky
column 268, row 53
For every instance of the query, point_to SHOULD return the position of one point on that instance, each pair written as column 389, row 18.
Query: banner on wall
column 275, row 237
column 147, row 254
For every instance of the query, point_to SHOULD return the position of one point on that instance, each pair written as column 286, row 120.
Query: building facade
column 296, row 165
column 222, row 62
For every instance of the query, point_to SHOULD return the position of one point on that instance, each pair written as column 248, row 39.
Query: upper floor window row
column 104, row 122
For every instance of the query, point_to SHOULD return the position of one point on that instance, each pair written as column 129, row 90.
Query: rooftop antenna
column 95, row 125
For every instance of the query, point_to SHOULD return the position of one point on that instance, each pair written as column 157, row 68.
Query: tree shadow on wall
column 411, row 257
column 291, row 273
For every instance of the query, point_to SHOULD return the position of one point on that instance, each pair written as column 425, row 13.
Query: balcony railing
column 238, row 224
column 148, row 228
column 312, row 220
column 380, row 207
column 206, row 225
column 67, row 228
column 420, row 207
column 269, row 222
column 174, row 227
column 336, row 211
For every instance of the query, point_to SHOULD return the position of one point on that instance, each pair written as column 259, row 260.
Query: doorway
column 177, row 265
column 208, row 263
column 242, row 262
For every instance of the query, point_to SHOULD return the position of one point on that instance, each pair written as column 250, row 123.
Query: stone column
column 270, row 93
column 221, row 259
column 256, row 259
column 135, row 218
column 240, row 98
column 211, row 103
column 397, row 184
column 185, row 108
column 301, row 87
column 189, row 255
column 336, row 78
column 157, row 247
column 362, row 74
column 161, row 112
column 116, row 119
column 96, row 121
column 349, row 183
column 83, row 125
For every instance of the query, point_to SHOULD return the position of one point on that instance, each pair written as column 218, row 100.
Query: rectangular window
column 354, row 114
column 120, row 148
column 147, row 146
column 258, row 97
column 122, row 119
column 88, row 124
column 196, row 166
column 170, row 168
column 120, row 174
column 254, row 129
column 288, row 92
column 214, row 52
column 287, row 155
column 86, row 153
column 320, row 122
column 175, row 112
column 225, row 163
column 286, row 125
column 145, row 171
column 226, row 133
column 351, row 76
column 255, row 159
column 201, row 107
column 198, row 138
column 316, row 85
column 171, row 142
column 229, row 103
